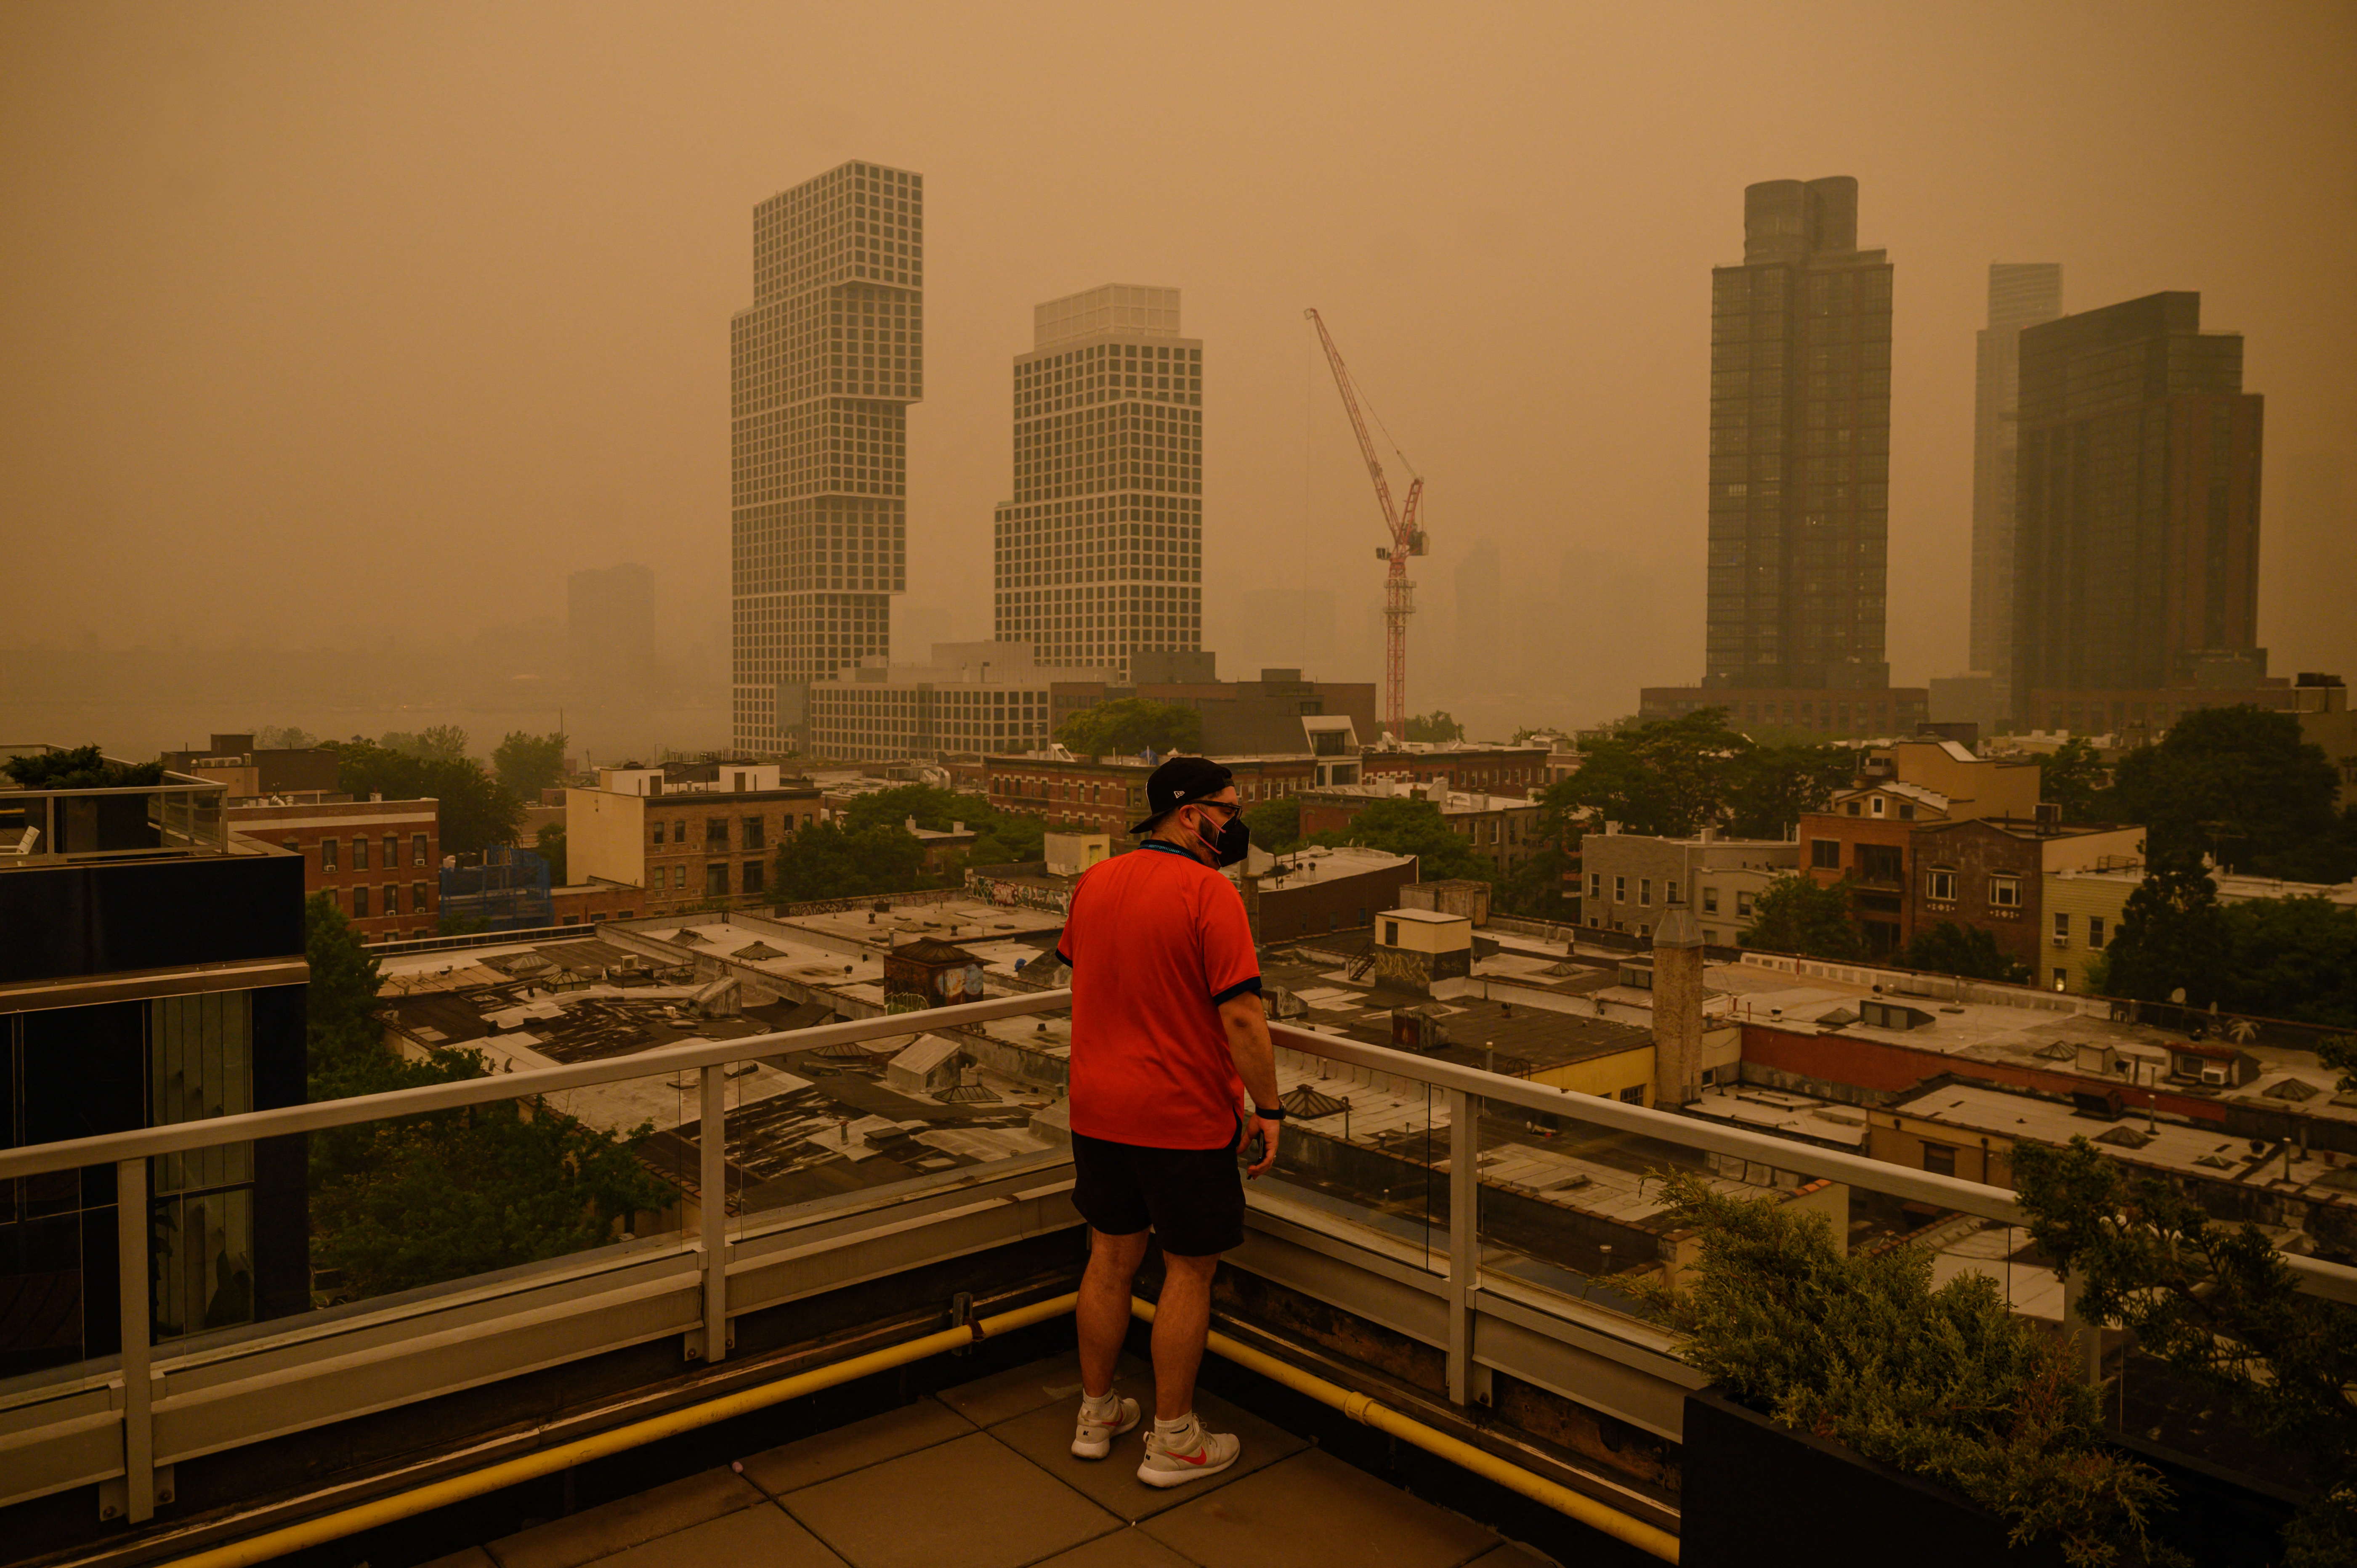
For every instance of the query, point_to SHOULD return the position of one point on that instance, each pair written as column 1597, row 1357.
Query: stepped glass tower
column 823, row 366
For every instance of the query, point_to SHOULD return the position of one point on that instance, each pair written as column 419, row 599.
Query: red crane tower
column 1407, row 539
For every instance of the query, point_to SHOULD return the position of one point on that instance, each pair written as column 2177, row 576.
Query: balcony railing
column 181, row 816
column 1492, row 1272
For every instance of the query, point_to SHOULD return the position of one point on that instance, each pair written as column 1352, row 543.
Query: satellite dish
column 2178, row 996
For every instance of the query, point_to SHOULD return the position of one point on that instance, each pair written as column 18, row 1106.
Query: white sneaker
column 1188, row 1456
column 1092, row 1438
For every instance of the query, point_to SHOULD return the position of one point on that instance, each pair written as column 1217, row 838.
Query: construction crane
column 1406, row 535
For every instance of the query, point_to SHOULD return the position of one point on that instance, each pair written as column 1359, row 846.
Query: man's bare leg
column 1182, row 1319
column 1103, row 1311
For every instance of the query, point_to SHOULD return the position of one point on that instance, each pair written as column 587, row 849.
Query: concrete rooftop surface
column 981, row 1475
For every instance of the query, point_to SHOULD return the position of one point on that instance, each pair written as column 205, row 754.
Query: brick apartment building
column 1633, row 879
column 381, row 861
column 1476, row 769
column 1990, row 873
column 1107, row 794
column 254, row 774
column 686, row 833
column 1501, row 828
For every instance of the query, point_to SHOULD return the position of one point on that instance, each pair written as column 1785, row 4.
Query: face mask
column 1234, row 839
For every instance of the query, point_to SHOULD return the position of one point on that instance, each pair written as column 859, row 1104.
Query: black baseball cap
column 1178, row 781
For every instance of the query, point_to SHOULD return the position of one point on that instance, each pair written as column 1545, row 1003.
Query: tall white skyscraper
column 822, row 369
column 1099, row 554
column 2020, row 294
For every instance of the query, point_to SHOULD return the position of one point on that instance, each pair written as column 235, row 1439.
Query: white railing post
column 138, row 1412
column 1464, row 1241
column 712, row 1154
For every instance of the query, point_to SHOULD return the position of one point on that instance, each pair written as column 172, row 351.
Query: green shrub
column 1945, row 1383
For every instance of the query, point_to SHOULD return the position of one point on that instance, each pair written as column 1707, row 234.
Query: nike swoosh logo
column 1201, row 1456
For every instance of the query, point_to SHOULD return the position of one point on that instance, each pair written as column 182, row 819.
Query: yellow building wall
column 1897, row 1139
column 1604, row 1076
column 605, row 835
column 2081, row 898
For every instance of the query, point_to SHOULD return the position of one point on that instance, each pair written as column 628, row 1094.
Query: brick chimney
column 1677, row 1009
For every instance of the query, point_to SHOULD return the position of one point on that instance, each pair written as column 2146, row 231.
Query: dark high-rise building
column 2137, row 512
column 2020, row 294
column 822, row 369
column 1800, row 446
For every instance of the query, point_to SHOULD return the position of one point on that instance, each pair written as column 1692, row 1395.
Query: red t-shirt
column 1156, row 940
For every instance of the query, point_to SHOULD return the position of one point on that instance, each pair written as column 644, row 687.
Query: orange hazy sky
column 335, row 322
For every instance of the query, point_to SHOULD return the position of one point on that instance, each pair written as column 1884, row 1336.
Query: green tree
column 2290, row 958
column 1967, row 951
column 1948, row 1383
column 2072, row 777
column 1405, row 825
column 1436, row 726
column 1001, row 838
column 1665, row 777
column 1794, row 915
column 283, row 738
column 2241, row 785
column 528, row 764
column 1130, row 724
column 1769, row 786
column 421, row 1199
column 1275, row 825
column 2216, row 1303
column 832, row 859
column 436, row 743
column 549, row 843
column 2172, row 936
column 477, row 810
column 83, row 768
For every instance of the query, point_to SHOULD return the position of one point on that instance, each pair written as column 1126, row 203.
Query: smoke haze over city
column 362, row 329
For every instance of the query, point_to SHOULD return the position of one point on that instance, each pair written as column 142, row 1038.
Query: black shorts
column 1192, row 1198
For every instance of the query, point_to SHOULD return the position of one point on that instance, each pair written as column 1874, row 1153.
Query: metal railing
column 47, row 827
column 948, row 1195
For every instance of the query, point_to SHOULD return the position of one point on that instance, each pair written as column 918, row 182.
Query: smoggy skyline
column 357, row 327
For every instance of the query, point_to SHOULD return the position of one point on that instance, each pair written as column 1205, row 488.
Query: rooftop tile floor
column 980, row 1476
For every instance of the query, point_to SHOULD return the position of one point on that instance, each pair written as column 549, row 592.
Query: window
column 659, row 835
column 1620, row 890
column 1710, row 901
column 417, row 849
column 2061, row 929
column 360, row 854
column 327, row 856
column 1595, row 885
column 715, row 879
column 2062, row 980
column 756, row 834
column 392, row 851
column 1877, row 808
column 1743, row 901
column 418, row 900
column 716, row 833
column 679, row 830
column 1907, row 811
column 2095, row 931
column 1940, row 885
column 1644, row 890
column 392, row 898
column 360, row 902
column 1851, row 808
column 1669, row 891
column 2004, row 893
column 1940, row 1159
column 1634, row 1094
column 1391, row 933
column 678, row 877
column 1882, row 863
column 1825, row 853
column 749, row 878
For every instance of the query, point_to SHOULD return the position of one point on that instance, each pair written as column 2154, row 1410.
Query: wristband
column 1275, row 1115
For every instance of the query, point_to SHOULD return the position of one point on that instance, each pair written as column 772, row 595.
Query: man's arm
column 1246, row 1024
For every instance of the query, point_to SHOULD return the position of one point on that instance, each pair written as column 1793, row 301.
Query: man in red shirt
column 1171, row 1057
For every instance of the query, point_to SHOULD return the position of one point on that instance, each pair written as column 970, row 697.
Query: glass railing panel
column 434, row 1201
column 1370, row 1149
column 894, row 1115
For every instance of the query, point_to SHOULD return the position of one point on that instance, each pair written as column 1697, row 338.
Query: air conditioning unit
column 2061, row 941
column 2215, row 1075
